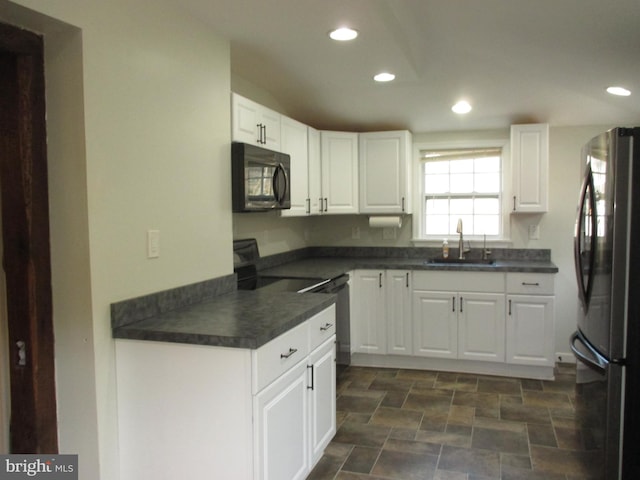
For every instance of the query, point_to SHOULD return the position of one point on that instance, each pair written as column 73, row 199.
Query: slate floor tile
column 397, row 424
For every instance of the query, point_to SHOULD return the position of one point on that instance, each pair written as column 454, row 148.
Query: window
column 462, row 184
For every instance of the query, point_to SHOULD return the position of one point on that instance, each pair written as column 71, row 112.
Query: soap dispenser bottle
column 445, row 249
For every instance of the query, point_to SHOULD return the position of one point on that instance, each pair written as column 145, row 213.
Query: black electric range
column 245, row 260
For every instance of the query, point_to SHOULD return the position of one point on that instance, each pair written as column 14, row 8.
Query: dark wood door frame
column 25, row 231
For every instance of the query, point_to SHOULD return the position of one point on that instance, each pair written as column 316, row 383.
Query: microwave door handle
column 280, row 196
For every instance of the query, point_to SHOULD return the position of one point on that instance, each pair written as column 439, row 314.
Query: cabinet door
column 530, row 330
column 530, row 165
column 315, row 172
column 254, row 124
column 294, row 142
column 384, row 172
column 322, row 391
column 435, row 326
column 339, row 151
column 280, row 428
column 481, row 326
column 368, row 326
column 398, row 300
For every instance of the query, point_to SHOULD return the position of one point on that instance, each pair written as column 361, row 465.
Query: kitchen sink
column 463, row 261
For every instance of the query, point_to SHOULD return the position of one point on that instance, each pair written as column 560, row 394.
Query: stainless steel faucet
column 460, row 240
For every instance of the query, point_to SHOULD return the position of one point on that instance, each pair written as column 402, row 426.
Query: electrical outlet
column 355, row 232
column 534, row 232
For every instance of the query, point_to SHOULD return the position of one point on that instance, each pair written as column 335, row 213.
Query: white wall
column 139, row 129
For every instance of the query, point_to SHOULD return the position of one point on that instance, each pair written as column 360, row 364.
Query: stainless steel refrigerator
column 607, row 341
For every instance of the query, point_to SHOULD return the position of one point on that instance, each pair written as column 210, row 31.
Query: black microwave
column 261, row 178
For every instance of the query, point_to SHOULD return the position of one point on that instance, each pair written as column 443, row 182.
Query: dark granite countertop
column 329, row 267
column 241, row 319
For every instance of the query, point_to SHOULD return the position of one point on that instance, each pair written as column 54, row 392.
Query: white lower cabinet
column 368, row 320
column 280, row 414
column 530, row 319
column 322, row 403
column 217, row 412
column 435, row 324
column 463, row 325
column 381, row 312
column 481, row 326
column 398, row 312
column 480, row 322
column 449, row 322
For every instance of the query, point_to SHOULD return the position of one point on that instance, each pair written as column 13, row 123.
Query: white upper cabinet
column 339, row 153
column 254, row 124
column 316, row 203
column 530, row 167
column 294, row 142
column 385, row 166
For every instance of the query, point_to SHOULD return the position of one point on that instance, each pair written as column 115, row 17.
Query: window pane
column 487, row 164
column 436, row 167
column 437, row 225
column 437, row 206
column 462, row 183
column 461, row 206
column 461, row 166
column 487, row 182
column 487, row 225
column 486, row 206
column 436, row 183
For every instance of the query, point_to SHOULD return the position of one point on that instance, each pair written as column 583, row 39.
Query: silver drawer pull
column 289, row 353
column 527, row 284
column 326, row 327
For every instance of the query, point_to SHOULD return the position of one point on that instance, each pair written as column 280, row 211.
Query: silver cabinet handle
column 326, row 204
column 326, row 327
column 259, row 139
column 514, row 203
column 403, row 204
column 407, row 284
column 509, row 307
column 308, row 206
column 461, row 300
column 289, row 353
column 453, row 304
column 380, row 280
column 528, row 284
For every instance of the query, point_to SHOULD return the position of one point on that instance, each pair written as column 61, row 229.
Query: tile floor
column 411, row 424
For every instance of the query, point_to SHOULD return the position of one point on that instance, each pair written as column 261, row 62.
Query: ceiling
column 515, row 61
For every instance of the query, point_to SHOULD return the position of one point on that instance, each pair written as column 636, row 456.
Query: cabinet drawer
column 322, row 326
column 279, row 355
column 459, row 281
column 530, row 283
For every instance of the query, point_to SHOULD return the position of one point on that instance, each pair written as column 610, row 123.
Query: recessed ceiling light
column 620, row 91
column 343, row 34
column 461, row 107
column 384, row 77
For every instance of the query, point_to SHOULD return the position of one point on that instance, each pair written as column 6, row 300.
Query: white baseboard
column 446, row 365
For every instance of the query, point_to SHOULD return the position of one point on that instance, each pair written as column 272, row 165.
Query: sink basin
column 462, row 261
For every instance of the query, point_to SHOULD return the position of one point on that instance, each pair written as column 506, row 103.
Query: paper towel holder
column 385, row 221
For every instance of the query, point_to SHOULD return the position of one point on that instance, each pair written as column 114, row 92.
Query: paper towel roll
column 385, row 222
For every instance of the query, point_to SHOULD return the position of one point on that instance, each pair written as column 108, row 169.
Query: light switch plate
column 153, row 243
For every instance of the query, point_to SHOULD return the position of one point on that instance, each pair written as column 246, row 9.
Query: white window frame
column 504, row 239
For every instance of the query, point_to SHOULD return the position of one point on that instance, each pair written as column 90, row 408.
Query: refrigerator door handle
column 594, row 360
